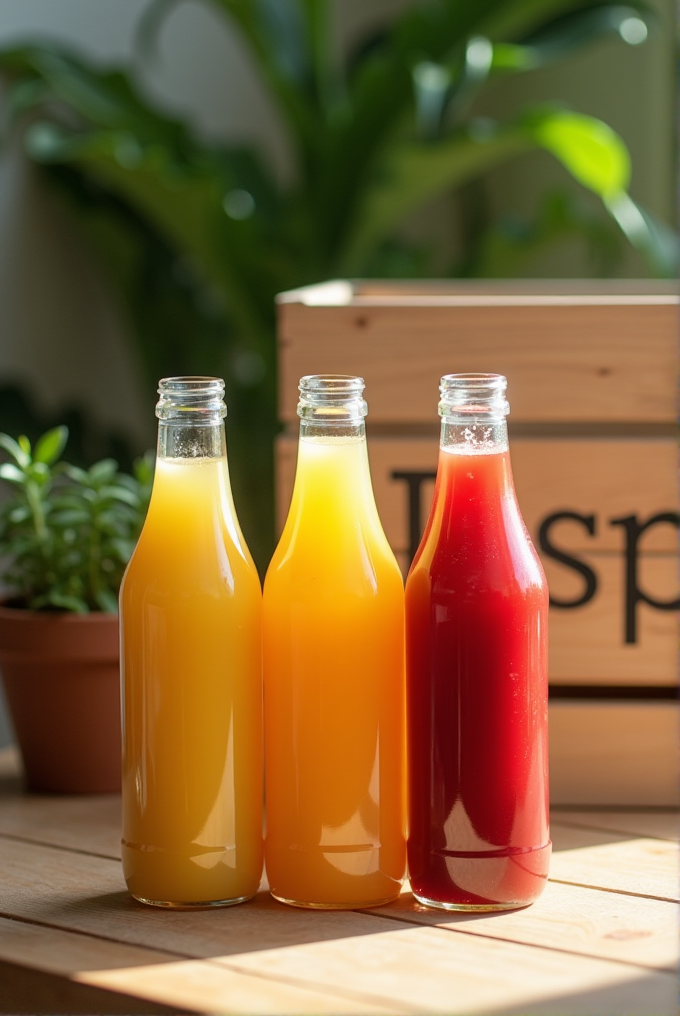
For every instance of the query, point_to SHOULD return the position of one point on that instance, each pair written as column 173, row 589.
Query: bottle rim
column 473, row 394
column 194, row 399
column 328, row 398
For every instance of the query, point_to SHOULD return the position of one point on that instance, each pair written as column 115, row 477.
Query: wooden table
column 602, row 939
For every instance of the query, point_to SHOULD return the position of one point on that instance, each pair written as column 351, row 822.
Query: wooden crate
column 592, row 371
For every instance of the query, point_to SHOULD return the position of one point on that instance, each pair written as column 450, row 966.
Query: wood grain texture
column 608, row 478
column 187, row 985
column 570, row 918
column 662, row 825
column 563, row 361
column 266, row 957
column 608, row 753
column 645, row 867
column 90, row 823
column 34, row 993
column 605, row 478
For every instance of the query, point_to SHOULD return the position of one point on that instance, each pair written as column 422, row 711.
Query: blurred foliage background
column 196, row 236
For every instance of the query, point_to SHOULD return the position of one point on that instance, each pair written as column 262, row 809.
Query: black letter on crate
column 590, row 588
column 415, row 480
column 634, row 594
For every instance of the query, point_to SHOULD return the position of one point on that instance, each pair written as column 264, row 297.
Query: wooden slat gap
column 619, row 892
column 388, row 1004
column 606, row 829
column 296, row 982
column 101, row 938
column 223, row 963
column 629, row 809
column 58, row 846
column 519, row 941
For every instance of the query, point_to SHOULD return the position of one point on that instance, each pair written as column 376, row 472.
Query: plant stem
column 95, row 554
column 37, row 512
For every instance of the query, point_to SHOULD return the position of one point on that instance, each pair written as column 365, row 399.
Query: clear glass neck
column 332, row 405
column 191, row 412
column 473, row 409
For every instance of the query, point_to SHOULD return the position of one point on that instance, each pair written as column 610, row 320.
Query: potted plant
column 66, row 535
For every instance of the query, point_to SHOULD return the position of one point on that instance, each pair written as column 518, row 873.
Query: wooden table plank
column 663, row 825
column 568, row 837
column 598, row 950
column 569, row 918
column 362, row 957
column 644, row 867
column 421, row 970
column 198, row 986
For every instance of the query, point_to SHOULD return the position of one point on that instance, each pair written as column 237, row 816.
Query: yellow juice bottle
column 334, row 673
column 190, row 611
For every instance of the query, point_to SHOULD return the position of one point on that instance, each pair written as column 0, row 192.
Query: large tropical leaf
column 414, row 174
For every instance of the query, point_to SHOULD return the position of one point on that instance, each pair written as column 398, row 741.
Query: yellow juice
column 192, row 696
column 334, row 690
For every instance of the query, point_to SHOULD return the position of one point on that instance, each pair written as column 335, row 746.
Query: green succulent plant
column 197, row 237
column 67, row 533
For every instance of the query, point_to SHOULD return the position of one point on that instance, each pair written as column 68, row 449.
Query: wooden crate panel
column 565, row 360
column 614, row 753
column 607, row 479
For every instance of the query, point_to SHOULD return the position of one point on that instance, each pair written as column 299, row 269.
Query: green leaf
column 75, row 473
column 20, row 514
column 25, row 444
column 69, row 517
column 63, row 601
column 12, row 474
column 103, row 471
column 572, row 31
column 122, row 494
column 143, row 467
column 413, row 174
column 106, row 601
column 15, row 450
column 656, row 242
column 39, row 473
column 592, row 152
column 123, row 548
column 51, row 445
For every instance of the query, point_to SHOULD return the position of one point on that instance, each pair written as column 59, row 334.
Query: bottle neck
column 184, row 441
column 191, row 411
column 473, row 409
column 331, row 432
column 474, row 435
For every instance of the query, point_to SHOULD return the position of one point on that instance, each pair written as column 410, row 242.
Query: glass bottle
column 191, row 662
column 334, row 672
column 476, row 636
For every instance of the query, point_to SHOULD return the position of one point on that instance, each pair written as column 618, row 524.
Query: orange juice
column 191, row 670
column 334, row 687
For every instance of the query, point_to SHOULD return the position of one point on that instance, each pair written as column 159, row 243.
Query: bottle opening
column 332, row 398
column 471, row 395
column 196, row 400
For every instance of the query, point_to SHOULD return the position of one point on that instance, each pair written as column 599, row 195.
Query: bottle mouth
column 196, row 400
column 470, row 395
column 329, row 398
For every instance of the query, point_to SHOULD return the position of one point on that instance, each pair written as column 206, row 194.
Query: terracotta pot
column 61, row 678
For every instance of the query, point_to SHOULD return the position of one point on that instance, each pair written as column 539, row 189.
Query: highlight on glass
column 334, row 672
column 476, row 636
column 191, row 661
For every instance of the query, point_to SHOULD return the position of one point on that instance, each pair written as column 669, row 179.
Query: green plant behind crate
column 198, row 237
column 67, row 533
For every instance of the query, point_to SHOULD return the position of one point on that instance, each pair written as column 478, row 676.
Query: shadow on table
column 647, row 995
column 257, row 925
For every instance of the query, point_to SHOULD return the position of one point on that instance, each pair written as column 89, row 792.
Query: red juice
column 476, row 621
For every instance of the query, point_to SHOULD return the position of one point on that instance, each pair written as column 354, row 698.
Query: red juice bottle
column 476, row 643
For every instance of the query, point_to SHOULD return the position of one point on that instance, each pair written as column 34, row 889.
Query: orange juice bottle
column 191, row 673
column 334, row 673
